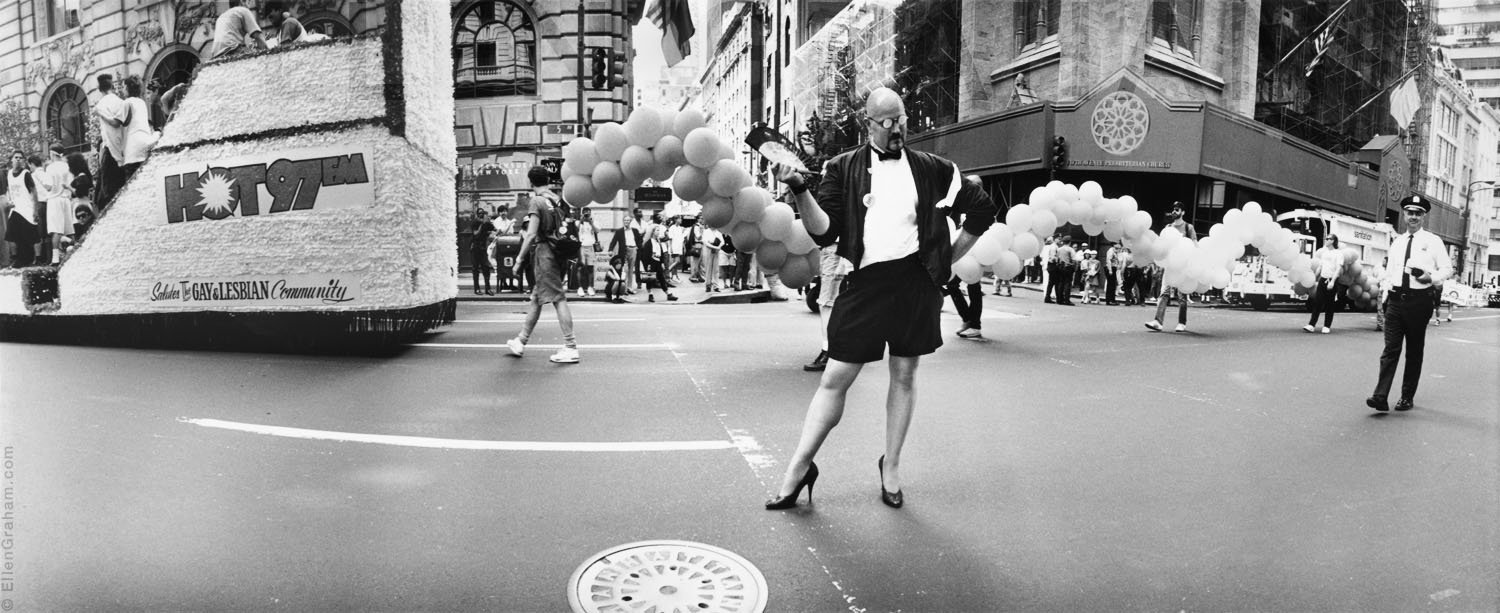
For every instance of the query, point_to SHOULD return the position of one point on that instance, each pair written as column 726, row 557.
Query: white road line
column 518, row 321
column 536, row 346
column 450, row 443
column 1464, row 341
column 1475, row 317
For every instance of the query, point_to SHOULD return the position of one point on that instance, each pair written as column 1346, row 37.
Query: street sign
column 653, row 194
column 567, row 129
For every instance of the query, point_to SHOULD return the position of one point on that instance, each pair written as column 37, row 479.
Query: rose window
column 1120, row 123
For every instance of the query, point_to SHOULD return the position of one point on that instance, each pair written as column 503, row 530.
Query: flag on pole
column 676, row 23
column 1405, row 101
column 1324, row 38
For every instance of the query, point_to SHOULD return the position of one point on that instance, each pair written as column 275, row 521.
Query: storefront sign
column 275, row 290
column 320, row 179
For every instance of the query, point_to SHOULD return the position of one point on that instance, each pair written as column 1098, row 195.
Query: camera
column 1416, row 272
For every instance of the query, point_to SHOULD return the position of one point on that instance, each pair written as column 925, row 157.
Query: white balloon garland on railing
column 1187, row 265
column 658, row 145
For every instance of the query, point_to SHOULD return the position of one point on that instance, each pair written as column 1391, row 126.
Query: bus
column 1258, row 283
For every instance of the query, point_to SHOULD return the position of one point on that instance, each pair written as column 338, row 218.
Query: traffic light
column 617, row 70
column 1059, row 153
column 599, row 74
column 607, row 69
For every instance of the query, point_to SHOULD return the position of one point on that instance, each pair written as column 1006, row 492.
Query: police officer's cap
column 1416, row 202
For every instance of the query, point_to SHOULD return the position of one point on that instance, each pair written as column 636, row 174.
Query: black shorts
column 890, row 303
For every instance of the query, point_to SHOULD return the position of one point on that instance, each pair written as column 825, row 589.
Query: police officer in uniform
column 1418, row 261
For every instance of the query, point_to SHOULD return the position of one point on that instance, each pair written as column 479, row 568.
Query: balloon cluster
column 660, row 145
column 1361, row 283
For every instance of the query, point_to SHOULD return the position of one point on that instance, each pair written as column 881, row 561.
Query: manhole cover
column 667, row 577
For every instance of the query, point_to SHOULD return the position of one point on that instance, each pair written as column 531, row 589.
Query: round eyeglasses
column 889, row 122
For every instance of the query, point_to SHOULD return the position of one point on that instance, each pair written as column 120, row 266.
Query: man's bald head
column 884, row 101
column 885, row 118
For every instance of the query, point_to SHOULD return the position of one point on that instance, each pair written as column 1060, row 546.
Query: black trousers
column 969, row 309
column 1406, row 316
column 1132, row 286
column 1060, row 283
column 1324, row 302
column 1111, row 284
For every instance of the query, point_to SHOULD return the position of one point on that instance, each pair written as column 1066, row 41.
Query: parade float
column 300, row 199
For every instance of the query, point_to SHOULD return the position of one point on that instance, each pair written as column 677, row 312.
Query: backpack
column 564, row 246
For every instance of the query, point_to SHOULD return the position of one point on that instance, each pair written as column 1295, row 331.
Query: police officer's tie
column 1406, row 263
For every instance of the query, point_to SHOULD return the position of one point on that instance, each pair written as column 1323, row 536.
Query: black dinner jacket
column 846, row 182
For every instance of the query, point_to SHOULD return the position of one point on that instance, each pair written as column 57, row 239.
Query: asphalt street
column 1073, row 461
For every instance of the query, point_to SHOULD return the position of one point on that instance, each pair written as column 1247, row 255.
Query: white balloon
column 1026, row 246
column 644, row 127
column 986, row 250
column 637, row 163
column 1130, row 206
column 610, row 141
column 1019, row 216
column 800, row 241
column 669, row 149
column 1093, row 228
column 607, row 178
column 776, row 223
column 796, row 272
column 771, row 254
column 1002, row 235
column 690, row 183
column 968, row 270
column 701, row 147
column 1252, row 208
column 1040, row 198
column 1043, row 223
column 727, row 178
column 717, row 212
column 1008, row 266
column 581, row 155
column 687, row 121
column 1091, row 192
column 578, row 190
column 746, row 236
column 749, row 203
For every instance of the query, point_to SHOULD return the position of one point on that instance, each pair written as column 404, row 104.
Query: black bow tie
column 886, row 156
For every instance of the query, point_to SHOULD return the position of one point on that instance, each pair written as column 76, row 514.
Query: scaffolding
column 1325, row 67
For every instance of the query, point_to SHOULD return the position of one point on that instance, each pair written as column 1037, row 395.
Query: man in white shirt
column 885, row 206
column 1418, row 260
column 233, row 29
column 113, row 114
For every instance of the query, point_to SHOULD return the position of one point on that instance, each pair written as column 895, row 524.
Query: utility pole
column 582, row 117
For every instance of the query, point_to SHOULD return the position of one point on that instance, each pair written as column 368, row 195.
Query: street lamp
column 1463, row 245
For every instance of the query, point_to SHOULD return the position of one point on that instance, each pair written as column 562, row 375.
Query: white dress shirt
column 1427, row 253
column 891, row 216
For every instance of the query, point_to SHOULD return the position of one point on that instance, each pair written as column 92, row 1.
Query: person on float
column 1167, row 292
column 544, row 225
column 114, row 115
column 1418, row 261
column 20, row 223
column 234, row 28
column 1329, row 261
column 884, row 205
column 139, row 138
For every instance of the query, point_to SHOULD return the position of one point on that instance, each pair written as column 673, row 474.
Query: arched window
column 494, row 51
column 67, row 114
column 327, row 23
column 176, row 67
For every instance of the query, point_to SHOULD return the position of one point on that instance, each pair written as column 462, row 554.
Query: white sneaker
column 1181, row 328
column 566, row 355
column 517, row 348
column 580, row 292
column 1309, row 328
column 1154, row 325
column 1327, row 330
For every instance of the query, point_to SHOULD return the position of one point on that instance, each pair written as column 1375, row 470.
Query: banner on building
column 307, row 180
column 331, row 289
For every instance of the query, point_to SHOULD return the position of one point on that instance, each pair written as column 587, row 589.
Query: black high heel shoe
column 789, row 501
column 893, row 500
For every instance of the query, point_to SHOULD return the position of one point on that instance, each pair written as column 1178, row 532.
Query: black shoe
column 650, row 297
column 1377, row 403
column 893, row 500
column 1048, row 301
column 671, row 298
column 789, row 501
column 1404, row 404
column 818, row 364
